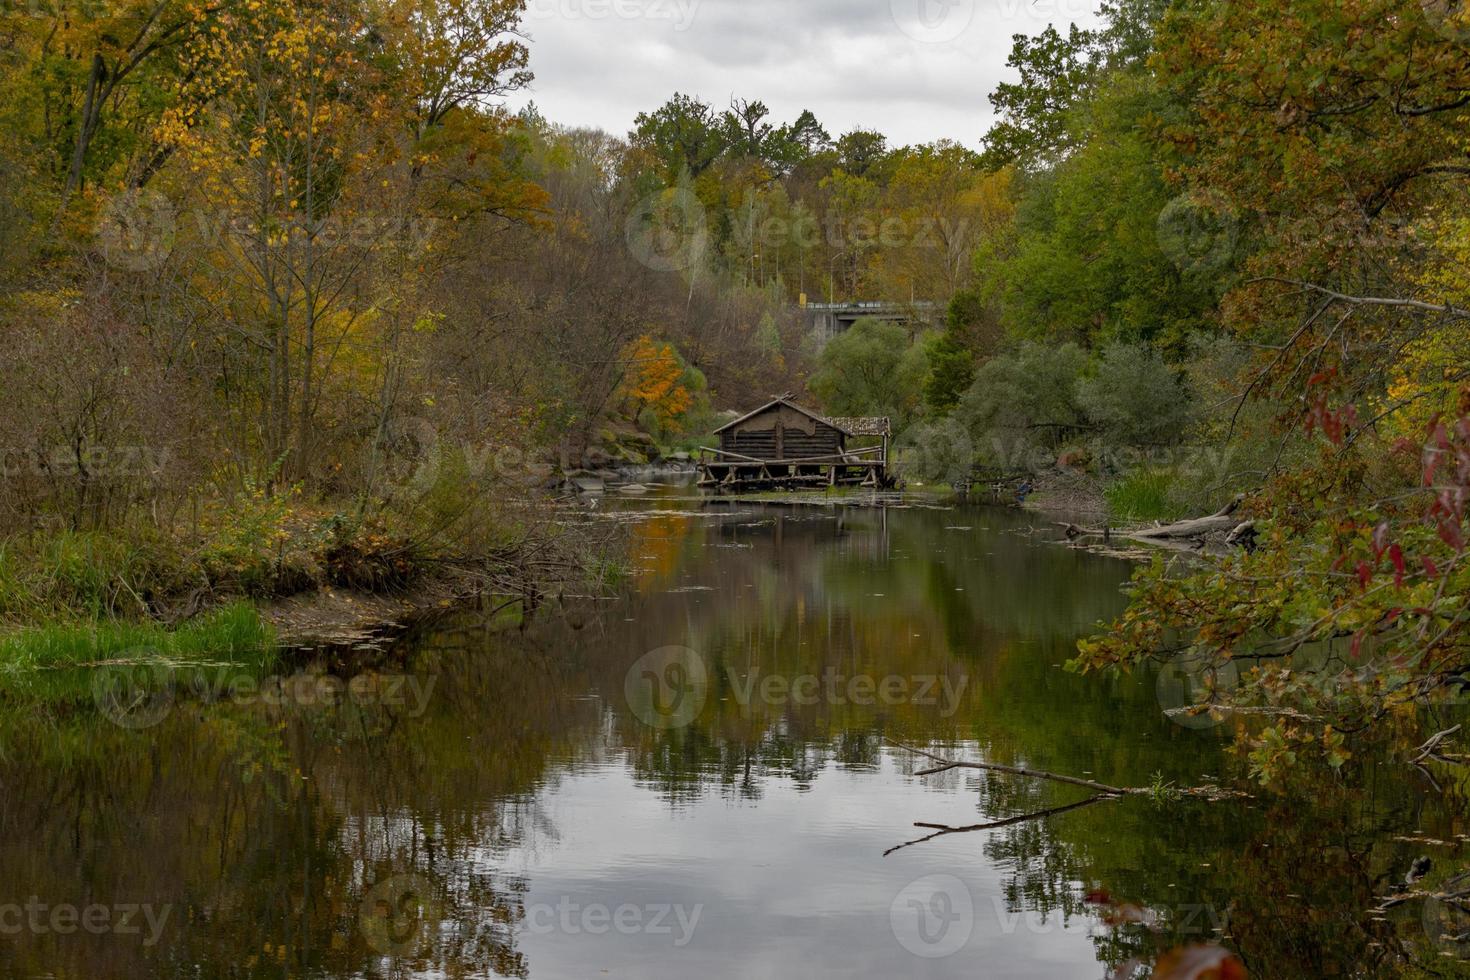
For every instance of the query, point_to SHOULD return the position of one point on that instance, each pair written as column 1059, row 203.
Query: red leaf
column 1365, row 573
column 1430, row 568
column 1396, row 555
column 1357, row 644
column 1199, row 963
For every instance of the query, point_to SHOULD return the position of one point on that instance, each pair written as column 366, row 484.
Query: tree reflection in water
column 367, row 839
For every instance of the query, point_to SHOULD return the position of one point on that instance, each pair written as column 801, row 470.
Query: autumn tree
column 1336, row 132
column 653, row 381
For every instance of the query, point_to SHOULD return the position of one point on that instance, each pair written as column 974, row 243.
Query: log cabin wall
column 781, row 432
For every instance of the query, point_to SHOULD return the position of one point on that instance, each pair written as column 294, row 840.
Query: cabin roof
column 858, row 426
column 852, row 426
column 783, row 400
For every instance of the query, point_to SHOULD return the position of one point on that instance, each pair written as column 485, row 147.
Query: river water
column 700, row 776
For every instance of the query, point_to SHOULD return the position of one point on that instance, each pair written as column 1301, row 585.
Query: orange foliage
column 654, row 380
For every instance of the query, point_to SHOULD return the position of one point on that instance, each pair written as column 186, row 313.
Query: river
column 701, row 775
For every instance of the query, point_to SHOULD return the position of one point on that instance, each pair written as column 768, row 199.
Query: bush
column 262, row 544
column 1135, row 398
column 1022, row 406
column 934, row 452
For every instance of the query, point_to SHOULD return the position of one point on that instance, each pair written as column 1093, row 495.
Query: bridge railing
column 868, row 305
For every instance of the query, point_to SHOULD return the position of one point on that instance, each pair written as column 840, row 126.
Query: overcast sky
column 918, row 70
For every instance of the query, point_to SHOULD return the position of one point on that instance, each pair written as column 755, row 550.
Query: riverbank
column 277, row 572
column 1068, row 493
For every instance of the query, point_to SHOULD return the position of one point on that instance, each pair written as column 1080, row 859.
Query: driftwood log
column 1187, row 535
column 1220, row 522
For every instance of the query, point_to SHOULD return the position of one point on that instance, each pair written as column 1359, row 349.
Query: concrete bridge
column 827, row 320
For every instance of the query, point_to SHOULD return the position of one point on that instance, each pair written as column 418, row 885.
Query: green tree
column 1086, row 262
column 862, row 152
column 1135, row 398
column 684, row 134
column 871, row 369
column 951, row 372
column 1057, row 74
column 1024, row 403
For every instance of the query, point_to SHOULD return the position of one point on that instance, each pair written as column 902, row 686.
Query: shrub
column 1135, row 398
column 1022, row 406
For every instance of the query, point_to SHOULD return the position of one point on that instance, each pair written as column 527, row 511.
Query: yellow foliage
column 1430, row 366
column 654, row 380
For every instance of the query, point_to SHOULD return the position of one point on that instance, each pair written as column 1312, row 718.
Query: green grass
column 90, row 573
column 1143, row 495
column 225, row 633
column 49, row 664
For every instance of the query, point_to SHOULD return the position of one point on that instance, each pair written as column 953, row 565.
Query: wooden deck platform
column 722, row 470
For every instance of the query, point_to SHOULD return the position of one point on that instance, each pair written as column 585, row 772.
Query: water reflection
column 524, row 818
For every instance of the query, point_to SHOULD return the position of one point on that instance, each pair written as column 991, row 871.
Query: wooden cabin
column 782, row 444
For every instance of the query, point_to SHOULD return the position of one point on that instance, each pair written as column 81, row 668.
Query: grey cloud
column 601, row 62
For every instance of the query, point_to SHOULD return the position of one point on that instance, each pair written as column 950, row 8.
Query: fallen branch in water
column 1206, row 792
column 1430, row 749
column 1073, row 532
column 1195, row 710
column 1454, row 892
column 946, row 764
column 941, row 830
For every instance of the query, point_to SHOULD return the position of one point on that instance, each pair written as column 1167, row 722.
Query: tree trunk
column 1220, row 522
